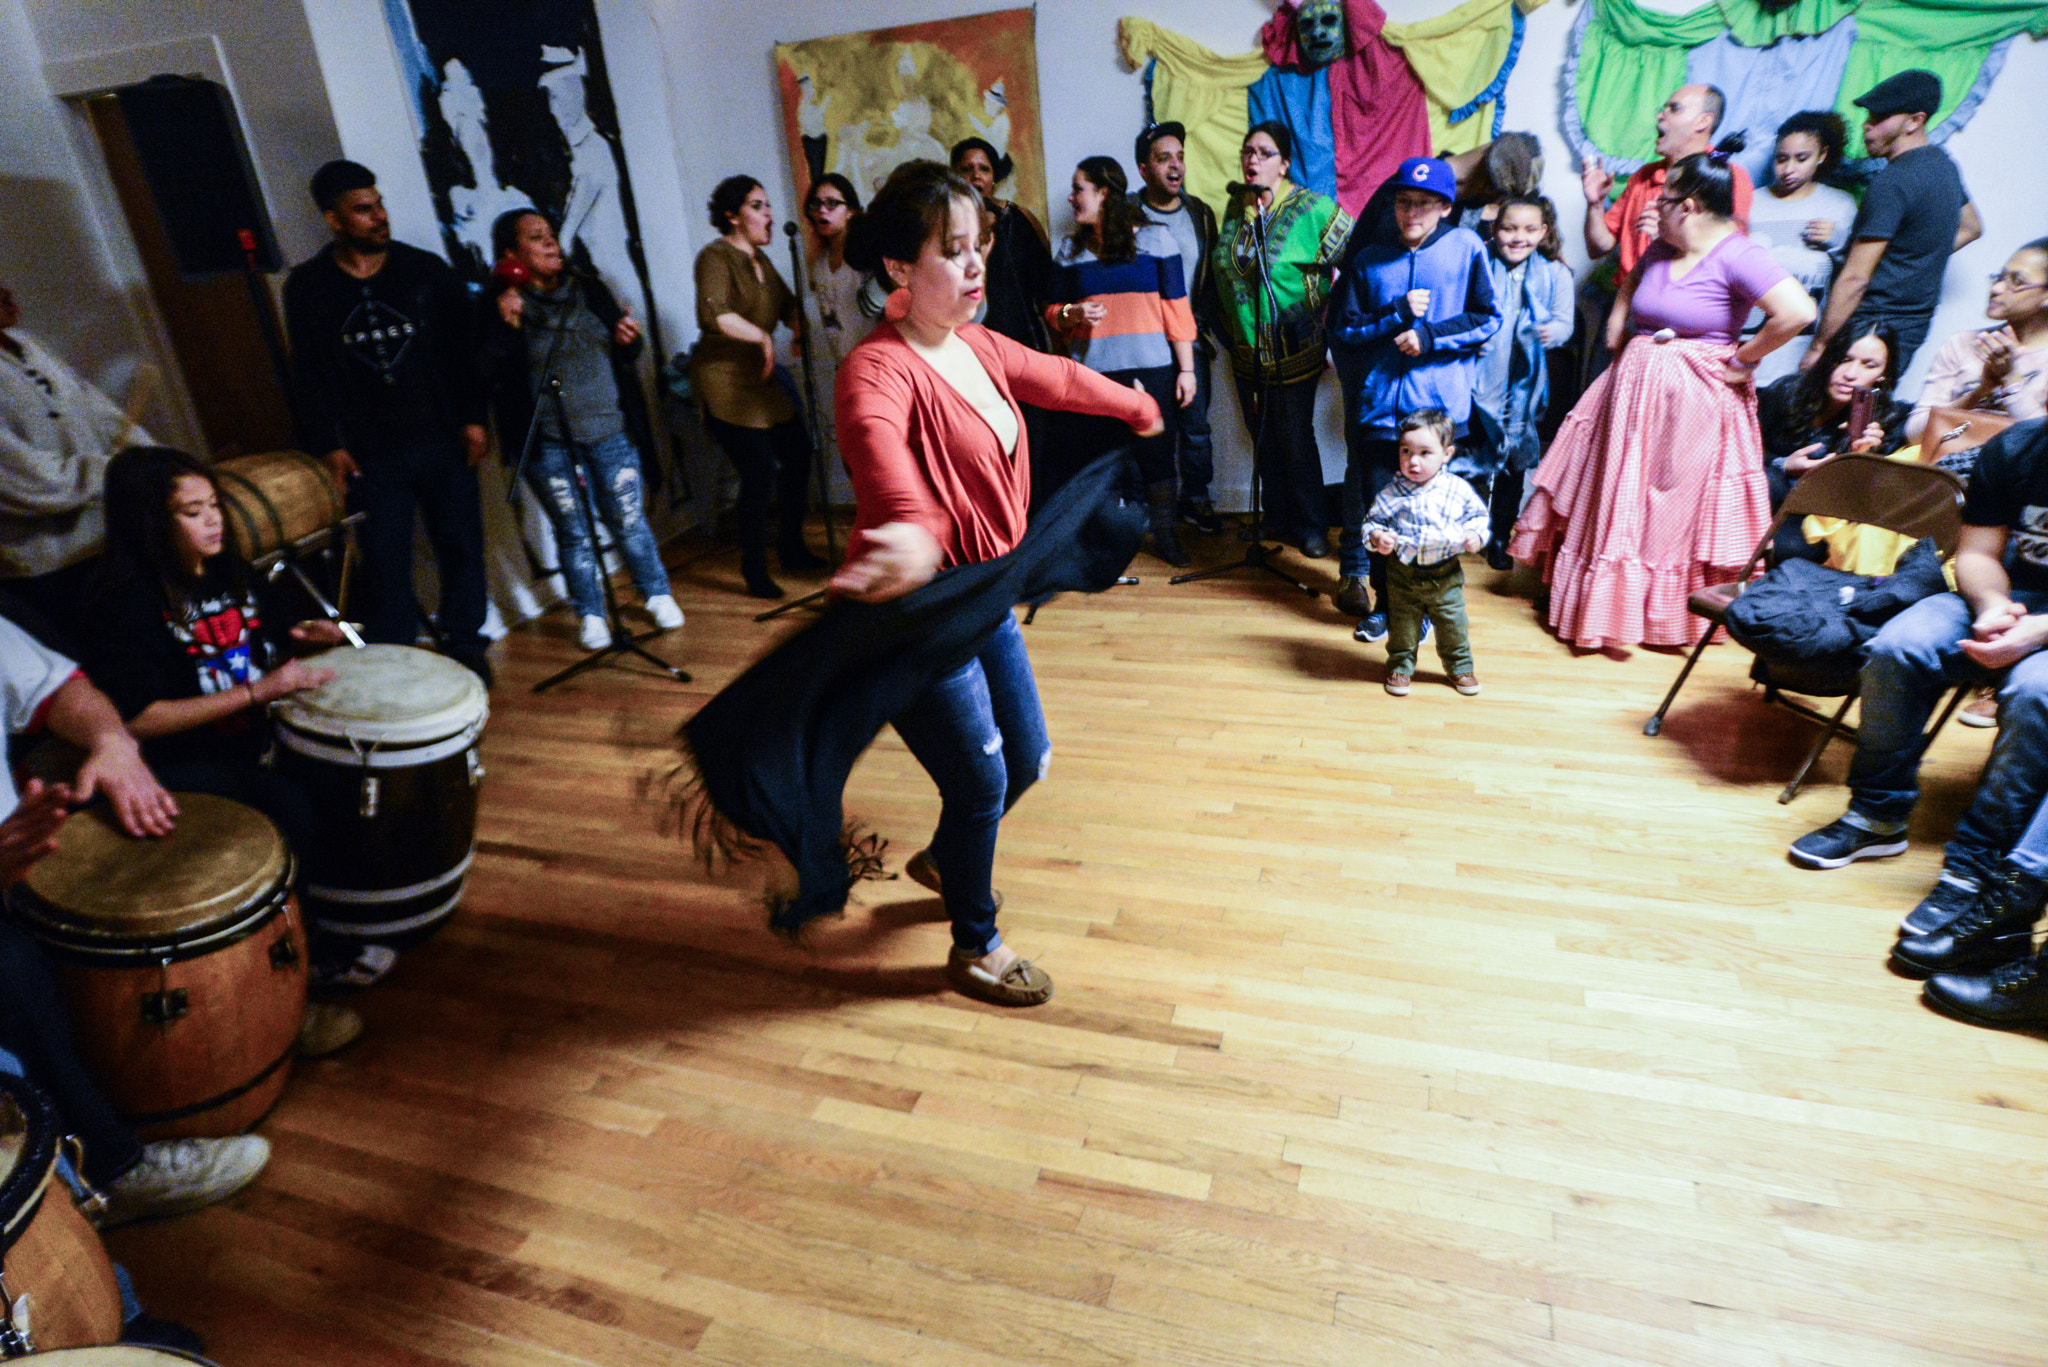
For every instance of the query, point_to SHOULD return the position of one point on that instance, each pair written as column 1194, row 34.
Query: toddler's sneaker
column 1398, row 684
column 1468, row 684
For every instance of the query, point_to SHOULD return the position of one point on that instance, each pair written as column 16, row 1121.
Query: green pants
column 1438, row 593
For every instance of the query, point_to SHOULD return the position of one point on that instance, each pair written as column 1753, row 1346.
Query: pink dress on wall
column 1654, row 486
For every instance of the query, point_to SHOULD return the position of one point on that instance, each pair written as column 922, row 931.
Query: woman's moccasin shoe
column 1023, row 983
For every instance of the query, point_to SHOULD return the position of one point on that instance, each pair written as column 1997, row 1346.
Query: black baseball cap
column 1153, row 132
column 1909, row 92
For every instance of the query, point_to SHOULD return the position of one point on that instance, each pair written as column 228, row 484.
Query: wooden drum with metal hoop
column 387, row 750
column 275, row 499
column 182, row 958
column 120, row 1355
column 57, row 1288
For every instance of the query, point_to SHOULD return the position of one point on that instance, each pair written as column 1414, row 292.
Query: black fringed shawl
column 769, row 756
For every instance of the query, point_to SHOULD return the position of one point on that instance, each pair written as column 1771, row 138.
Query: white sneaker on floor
column 662, row 608
column 176, row 1176
column 596, row 633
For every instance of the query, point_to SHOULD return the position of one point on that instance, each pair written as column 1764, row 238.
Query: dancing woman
column 934, row 442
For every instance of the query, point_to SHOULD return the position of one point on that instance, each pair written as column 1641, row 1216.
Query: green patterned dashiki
column 1304, row 229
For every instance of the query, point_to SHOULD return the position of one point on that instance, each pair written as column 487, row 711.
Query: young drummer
column 1421, row 521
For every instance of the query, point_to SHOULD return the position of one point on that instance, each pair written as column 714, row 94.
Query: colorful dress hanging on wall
column 1358, row 94
column 1625, row 58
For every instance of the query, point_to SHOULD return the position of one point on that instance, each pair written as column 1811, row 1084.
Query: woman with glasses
column 1272, row 264
column 833, row 310
column 2000, row 369
column 1654, row 486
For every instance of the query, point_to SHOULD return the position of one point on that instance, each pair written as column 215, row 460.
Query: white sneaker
column 176, row 1176
column 596, row 633
column 662, row 608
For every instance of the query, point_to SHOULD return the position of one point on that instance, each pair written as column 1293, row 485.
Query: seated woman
column 1654, row 486
column 2001, row 369
column 191, row 646
column 568, row 327
column 1121, row 307
column 1804, row 419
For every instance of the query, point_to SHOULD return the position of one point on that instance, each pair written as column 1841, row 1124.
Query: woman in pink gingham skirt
column 1654, row 486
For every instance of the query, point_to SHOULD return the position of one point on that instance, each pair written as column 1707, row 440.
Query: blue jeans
column 35, row 1029
column 980, row 733
column 1912, row 661
column 612, row 469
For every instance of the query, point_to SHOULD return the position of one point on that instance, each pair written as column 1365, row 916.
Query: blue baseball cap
column 1428, row 173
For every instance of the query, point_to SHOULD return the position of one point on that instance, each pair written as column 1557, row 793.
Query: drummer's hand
column 31, row 832
column 1158, row 422
column 114, row 770
column 475, row 441
column 342, row 465
column 318, row 631
column 293, row 676
column 627, row 332
column 895, row 558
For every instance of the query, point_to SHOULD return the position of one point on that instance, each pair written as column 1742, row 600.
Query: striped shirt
column 1147, row 299
column 1430, row 523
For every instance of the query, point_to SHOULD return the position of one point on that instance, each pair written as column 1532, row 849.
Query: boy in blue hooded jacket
column 1406, row 323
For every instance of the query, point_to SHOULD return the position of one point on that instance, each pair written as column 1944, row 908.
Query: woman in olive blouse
column 751, row 414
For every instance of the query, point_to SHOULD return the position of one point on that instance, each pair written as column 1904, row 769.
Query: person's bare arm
column 1969, row 227
column 81, row 714
column 1846, row 294
column 1597, row 181
column 1788, row 308
column 1617, row 316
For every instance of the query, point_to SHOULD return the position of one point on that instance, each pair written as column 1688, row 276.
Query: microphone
column 789, row 228
column 1238, row 187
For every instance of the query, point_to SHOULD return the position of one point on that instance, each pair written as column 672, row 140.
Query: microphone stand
column 623, row 641
column 1257, row 554
column 796, row 286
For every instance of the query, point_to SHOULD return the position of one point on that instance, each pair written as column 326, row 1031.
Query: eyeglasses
column 2017, row 282
column 828, row 204
column 1259, row 154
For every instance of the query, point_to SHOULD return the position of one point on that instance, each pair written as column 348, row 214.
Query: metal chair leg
column 1828, row 732
column 1656, row 724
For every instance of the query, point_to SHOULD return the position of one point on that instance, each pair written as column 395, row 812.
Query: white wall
column 719, row 55
column 76, row 276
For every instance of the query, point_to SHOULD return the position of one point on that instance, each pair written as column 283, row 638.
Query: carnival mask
column 1319, row 31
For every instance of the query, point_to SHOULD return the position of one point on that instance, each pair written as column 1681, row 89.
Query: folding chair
column 1913, row 500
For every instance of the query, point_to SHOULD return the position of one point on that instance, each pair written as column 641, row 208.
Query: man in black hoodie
column 386, row 394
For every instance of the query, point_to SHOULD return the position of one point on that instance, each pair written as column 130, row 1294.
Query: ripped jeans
column 980, row 733
column 613, row 468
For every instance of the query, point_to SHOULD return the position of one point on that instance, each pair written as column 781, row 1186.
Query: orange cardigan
column 917, row 451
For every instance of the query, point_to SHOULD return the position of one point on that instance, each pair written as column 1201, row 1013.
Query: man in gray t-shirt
column 1914, row 216
column 1162, row 160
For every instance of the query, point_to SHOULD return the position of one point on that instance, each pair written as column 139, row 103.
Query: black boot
column 1165, row 542
column 1997, row 930
column 754, row 568
column 2015, row 994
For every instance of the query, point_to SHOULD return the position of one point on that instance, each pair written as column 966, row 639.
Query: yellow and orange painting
column 862, row 104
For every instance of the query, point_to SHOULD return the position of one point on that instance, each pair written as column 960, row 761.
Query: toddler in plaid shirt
column 1421, row 522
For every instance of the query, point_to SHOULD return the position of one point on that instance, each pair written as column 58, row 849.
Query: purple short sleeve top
column 1713, row 299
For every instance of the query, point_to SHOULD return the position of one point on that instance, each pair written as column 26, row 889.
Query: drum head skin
column 221, row 858
column 115, row 1355
column 394, row 695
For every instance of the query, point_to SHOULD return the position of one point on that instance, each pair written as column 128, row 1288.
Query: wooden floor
column 1437, row 1030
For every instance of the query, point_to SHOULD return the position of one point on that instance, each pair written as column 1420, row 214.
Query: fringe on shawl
column 720, row 844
